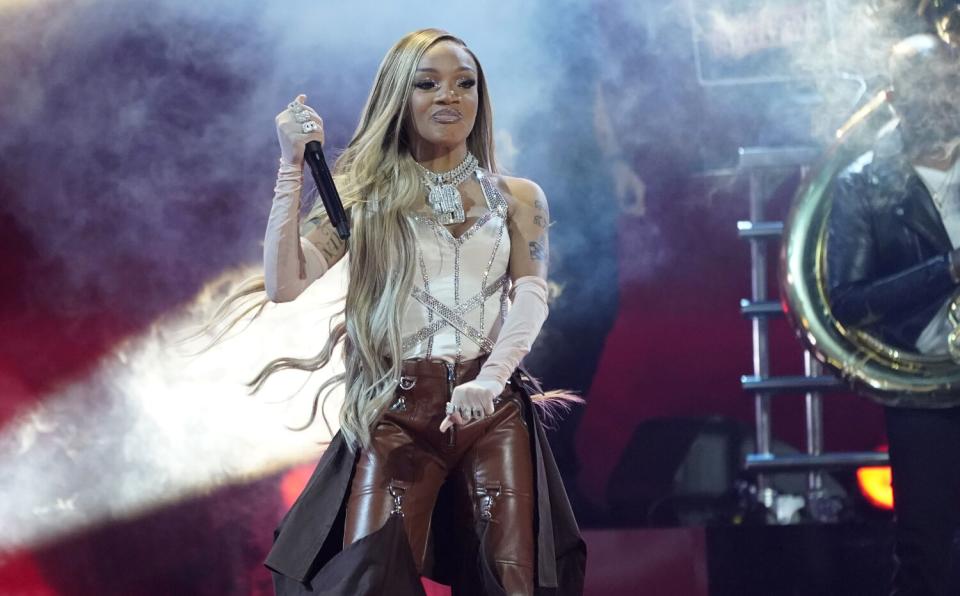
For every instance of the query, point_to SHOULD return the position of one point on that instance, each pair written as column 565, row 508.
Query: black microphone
column 313, row 154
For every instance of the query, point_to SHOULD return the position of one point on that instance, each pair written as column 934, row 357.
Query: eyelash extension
column 430, row 85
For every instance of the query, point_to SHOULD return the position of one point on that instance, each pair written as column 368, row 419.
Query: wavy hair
column 379, row 184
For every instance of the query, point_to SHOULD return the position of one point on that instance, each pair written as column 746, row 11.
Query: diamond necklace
column 443, row 196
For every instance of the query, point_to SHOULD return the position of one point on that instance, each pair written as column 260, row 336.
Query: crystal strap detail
column 495, row 200
column 496, row 205
column 454, row 317
column 426, row 287
column 456, row 301
column 445, row 233
column 455, row 320
column 432, row 328
column 486, row 271
column 438, row 314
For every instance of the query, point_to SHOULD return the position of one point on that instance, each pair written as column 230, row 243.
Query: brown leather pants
column 409, row 459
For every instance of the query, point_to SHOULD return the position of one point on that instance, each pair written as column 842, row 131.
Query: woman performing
column 441, row 467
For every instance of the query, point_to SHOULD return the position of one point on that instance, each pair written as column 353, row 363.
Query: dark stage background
column 137, row 158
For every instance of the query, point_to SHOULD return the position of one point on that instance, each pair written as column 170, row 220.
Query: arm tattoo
column 540, row 220
column 329, row 243
column 331, row 248
column 537, row 251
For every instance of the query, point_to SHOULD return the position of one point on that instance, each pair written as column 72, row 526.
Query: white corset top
column 460, row 291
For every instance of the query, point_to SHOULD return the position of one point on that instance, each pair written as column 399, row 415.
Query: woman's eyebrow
column 461, row 69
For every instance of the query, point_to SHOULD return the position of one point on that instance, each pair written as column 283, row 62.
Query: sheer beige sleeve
column 295, row 256
column 529, row 220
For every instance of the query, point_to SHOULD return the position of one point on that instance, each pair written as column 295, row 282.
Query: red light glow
column 876, row 484
column 294, row 481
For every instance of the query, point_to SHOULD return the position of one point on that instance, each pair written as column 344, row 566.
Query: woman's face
column 443, row 104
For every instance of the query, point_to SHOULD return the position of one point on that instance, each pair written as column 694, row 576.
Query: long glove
column 291, row 262
column 521, row 327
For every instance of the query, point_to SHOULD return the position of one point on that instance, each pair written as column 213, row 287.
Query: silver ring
column 302, row 116
column 309, row 126
column 451, row 408
column 295, row 106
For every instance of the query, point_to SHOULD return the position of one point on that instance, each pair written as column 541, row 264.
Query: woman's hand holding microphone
column 291, row 263
column 297, row 125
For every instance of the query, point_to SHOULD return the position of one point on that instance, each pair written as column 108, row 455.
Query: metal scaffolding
column 757, row 163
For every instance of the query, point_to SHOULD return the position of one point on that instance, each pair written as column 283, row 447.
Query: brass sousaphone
column 889, row 375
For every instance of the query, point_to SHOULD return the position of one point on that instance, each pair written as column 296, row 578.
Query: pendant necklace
column 442, row 193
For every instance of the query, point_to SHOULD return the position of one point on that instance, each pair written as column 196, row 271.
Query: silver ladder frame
column 756, row 162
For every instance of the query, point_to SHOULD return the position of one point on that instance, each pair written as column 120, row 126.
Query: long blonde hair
column 379, row 184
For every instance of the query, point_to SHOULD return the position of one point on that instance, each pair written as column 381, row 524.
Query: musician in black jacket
column 893, row 265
